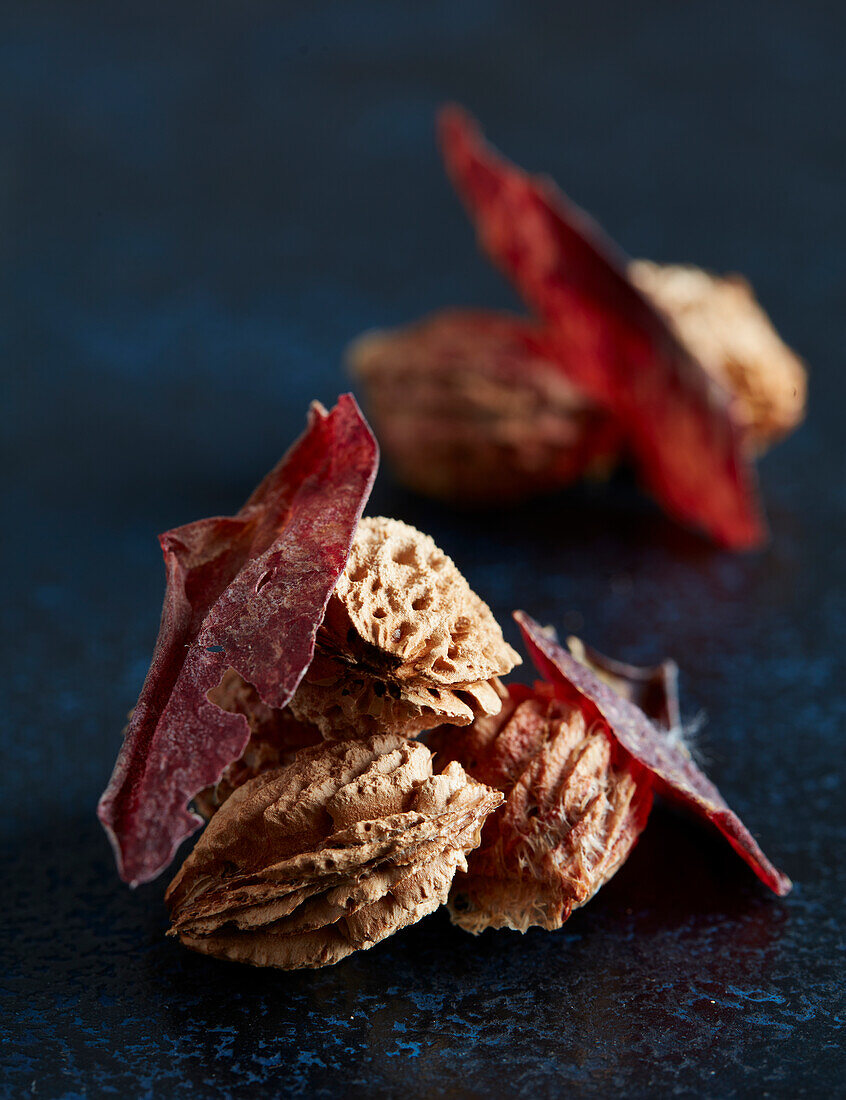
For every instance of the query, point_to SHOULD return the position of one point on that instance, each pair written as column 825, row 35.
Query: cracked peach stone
column 405, row 645
column 346, row 845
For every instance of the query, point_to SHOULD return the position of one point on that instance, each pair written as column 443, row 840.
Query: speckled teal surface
column 200, row 205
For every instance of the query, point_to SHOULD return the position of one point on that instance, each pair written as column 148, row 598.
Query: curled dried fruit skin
column 575, row 806
column 405, row 645
column 616, row 344
column 722, row 322
column 662, row 753
column 653, row 689
column 246, row 592
column 343, row 847
column 468, row 407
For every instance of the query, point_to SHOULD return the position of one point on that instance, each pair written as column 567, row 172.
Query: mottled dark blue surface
column 200, row 204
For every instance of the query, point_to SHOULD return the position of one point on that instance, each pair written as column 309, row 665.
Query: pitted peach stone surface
column 405, row 645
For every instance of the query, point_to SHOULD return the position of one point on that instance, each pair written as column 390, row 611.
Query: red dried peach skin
column 676, row 775
column 244, row 592
column 615, row 343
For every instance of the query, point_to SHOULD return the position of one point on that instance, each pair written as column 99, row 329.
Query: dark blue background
column 201, row 203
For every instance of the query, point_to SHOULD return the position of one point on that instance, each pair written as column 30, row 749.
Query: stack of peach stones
column 326, row 694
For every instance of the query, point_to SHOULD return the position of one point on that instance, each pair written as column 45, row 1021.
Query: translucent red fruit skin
column 654, row 689
column 246, row 592
column 676, row 775
column 615, row 344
